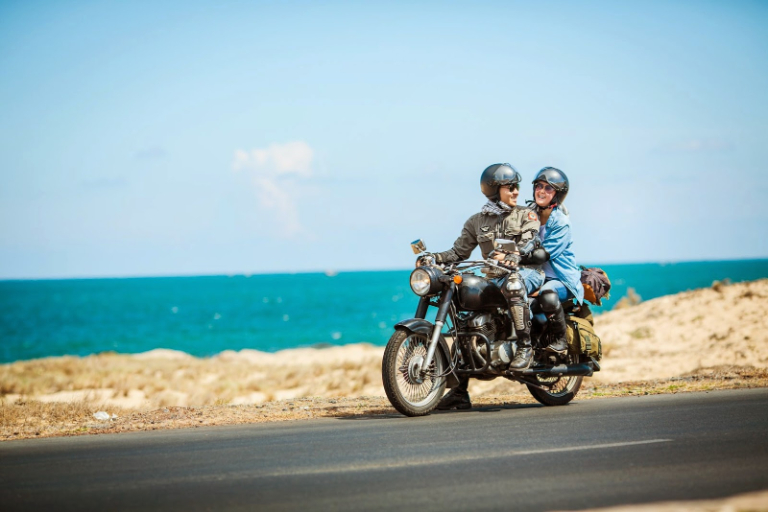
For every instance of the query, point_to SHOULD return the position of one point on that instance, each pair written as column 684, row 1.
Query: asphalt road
column 587, row 454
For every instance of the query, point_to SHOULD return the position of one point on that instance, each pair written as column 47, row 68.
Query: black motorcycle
column 473, row 335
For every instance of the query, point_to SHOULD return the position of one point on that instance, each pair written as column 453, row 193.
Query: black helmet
column 557, row 179
column 495, row 176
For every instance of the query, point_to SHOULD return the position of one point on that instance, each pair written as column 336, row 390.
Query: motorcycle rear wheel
column 407, row 392
column 562, row 389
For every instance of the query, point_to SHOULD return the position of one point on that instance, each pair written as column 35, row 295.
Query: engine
column 491, row 327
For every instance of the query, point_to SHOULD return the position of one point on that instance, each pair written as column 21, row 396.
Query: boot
column 457, row 398
column 556, row 327
column 524, row 353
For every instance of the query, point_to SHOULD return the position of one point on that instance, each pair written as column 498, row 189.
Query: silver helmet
column 557, row 179
column 495, row 176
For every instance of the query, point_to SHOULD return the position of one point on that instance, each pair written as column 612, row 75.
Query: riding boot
column 522, row 316
column 456, row 398
column 557, row 328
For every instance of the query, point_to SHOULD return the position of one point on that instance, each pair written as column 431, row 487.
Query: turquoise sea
column 206, row 315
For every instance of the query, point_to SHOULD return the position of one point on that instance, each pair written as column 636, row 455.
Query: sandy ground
column 712, row 338
column 721, row 325
column 750, row 502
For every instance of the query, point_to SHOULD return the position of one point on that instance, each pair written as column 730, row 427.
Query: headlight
column 426, row 281
column 420, row 282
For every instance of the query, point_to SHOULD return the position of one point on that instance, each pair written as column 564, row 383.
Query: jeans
column 558, row 287
column 532, row 279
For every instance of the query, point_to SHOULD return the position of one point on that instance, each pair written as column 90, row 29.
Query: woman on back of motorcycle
column 562, row 277
column 500, row 217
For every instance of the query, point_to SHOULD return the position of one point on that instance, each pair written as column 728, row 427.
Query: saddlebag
column 582, row 311
column 582, row 338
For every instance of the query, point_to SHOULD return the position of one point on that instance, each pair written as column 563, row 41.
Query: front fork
column 442, row 314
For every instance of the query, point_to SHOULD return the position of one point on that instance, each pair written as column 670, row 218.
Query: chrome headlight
column 420, row 282
column 426, row 281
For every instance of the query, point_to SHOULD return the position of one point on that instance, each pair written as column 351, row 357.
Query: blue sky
column 176, row 138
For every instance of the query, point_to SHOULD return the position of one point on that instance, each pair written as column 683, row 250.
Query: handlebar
column 467, row 264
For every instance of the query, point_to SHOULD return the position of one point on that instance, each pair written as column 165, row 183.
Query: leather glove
column 537, row 257
column 529, row 247
column 510, row 261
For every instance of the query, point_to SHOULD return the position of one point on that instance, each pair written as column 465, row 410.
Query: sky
column 194, row 138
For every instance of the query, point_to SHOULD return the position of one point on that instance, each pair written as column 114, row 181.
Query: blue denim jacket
column 557, row 242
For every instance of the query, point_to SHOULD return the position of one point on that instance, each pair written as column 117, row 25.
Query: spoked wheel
column 560, row 390
column 410, row 392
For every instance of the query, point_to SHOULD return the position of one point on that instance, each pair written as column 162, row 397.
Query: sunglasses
column 546, row 186
column 512, row 186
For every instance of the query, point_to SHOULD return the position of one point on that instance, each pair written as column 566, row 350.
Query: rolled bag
column 421, row 326
column 581, row 336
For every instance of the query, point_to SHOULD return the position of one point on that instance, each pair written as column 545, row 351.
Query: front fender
column 421, row 326
column 416, row 326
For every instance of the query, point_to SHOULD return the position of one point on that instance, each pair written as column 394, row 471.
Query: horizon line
column 331, row 272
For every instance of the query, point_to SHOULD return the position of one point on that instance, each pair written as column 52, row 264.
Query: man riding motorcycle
column 500, row 218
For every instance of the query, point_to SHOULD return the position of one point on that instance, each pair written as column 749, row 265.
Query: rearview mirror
column 418, row 246
column 505, row 245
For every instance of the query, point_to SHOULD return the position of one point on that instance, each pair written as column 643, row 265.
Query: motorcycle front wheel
column 561, row 390
column 409, row 392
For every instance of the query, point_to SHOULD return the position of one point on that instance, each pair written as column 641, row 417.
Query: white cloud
column 274, row 171
column 291, row 158
column 278, row 200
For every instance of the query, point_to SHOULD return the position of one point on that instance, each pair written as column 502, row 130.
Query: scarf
column 496, row 208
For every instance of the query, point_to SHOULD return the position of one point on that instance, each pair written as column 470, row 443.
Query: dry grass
column 122, row 374
column 29, row 419
column 704, row 379
column 133, row 382
column 629, row 300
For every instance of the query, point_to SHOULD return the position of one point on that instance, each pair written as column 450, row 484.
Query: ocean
column 206, row 315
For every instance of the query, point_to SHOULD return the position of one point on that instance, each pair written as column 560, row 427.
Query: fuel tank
column 476, row 293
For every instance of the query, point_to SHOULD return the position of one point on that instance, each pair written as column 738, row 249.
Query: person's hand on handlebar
column 506, row 259
column 425, row 259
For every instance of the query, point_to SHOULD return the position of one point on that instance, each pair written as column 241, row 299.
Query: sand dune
column 677, row 334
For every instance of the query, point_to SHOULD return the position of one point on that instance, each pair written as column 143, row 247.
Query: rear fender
column 421, row 326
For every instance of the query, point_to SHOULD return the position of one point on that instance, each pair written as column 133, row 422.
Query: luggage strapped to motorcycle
column 582, row 338
column 596, row 285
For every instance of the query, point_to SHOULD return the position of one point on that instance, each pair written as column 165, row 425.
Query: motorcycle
column 473, row 335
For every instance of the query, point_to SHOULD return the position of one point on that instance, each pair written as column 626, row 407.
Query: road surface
column 527, row 457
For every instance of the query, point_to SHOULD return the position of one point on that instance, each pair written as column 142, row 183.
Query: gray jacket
column 520, row 225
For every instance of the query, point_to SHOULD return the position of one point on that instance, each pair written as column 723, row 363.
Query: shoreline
column 710, row 338
column 51, row 318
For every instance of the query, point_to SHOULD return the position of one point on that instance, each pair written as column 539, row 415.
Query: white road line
column 399, row 464
column 370, row 466
column 590, row 447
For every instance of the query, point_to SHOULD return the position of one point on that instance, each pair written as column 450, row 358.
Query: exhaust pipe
column 561, row 370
